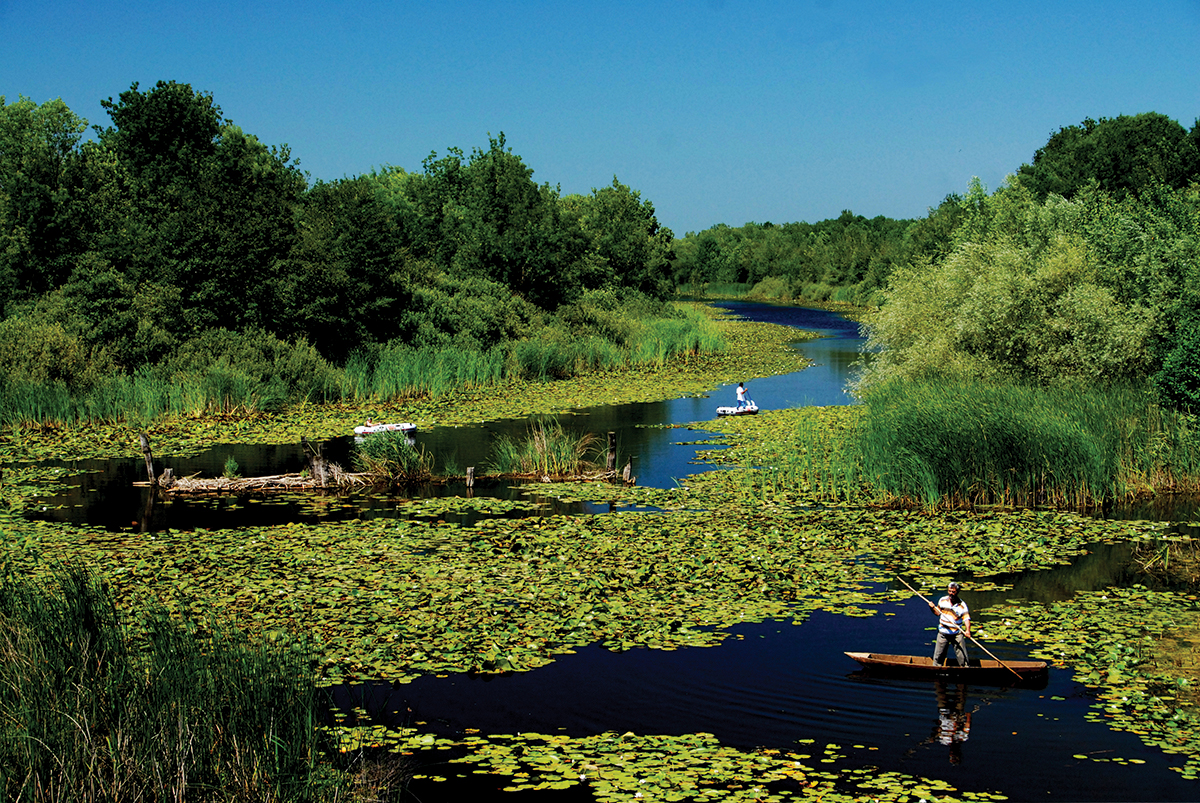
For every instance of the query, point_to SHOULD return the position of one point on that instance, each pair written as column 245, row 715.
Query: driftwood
column 275, row 482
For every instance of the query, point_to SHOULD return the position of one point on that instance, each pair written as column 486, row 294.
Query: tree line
column 172, row 235
column 1082, row 269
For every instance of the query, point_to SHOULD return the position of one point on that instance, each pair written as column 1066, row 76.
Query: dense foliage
column 104, row 706
column 1083, row 269
column 1093, row 290
column 848, row 259
column 175, row 245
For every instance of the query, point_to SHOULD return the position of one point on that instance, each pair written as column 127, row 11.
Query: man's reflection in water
column 953, row 726
column 954, row 720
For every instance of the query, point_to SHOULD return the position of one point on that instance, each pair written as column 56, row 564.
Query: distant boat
column 977, row 670
column 749, row 408
column 370, row 428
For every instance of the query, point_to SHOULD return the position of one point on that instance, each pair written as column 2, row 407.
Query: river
column 769, row 684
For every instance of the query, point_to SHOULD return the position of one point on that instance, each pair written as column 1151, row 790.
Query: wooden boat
column 978, row 670
column 749, row 408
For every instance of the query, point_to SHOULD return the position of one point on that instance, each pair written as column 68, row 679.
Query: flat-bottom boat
column 977, row 670
column 749, row 408
column 371, row 427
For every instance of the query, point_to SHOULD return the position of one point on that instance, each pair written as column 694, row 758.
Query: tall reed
column 972, row 443
column 547, row 450
column 394, row 457
column 98, row 708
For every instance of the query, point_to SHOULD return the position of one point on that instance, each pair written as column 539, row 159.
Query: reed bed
column 819, row 461
column 394, row 458
column 95, row 708
column 547, row 451
column 393, row 371
column 972, row 443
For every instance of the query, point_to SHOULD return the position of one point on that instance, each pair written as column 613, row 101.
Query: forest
column 174, row 262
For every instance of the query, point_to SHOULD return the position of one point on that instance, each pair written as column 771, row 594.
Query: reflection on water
column 953, row 724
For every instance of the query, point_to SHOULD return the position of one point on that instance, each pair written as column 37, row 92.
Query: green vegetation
column 98, row 707
column 844, row 260
column 176, row 265
column 976, row 443
column 547, row 451
column 1037, row 346
column 394, row 457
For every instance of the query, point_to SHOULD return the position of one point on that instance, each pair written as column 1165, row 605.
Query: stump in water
column 149, row 458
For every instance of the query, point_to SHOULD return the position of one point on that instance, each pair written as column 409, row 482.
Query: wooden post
column 612, row 451
column 149, row 460
column 470, row 476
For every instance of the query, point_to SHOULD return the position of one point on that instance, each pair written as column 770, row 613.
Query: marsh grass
column 547, row 450
column 95, row 708
column 967, row 444
column 631, row 337
column 394, row 458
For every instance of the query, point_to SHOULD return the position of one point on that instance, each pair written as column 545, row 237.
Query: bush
column 254, row 369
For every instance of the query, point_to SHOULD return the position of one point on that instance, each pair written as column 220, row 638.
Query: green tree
column 1123, row 155
column 487, row 217
column 630, row 246
column 344, row 283
column 212, row 208
column 42, row 212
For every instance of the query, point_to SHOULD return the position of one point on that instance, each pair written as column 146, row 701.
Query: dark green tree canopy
column 1123, row 155
column 165, row 134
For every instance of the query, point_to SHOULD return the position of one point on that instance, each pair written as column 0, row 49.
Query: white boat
column 749, row 408
column 370, row 428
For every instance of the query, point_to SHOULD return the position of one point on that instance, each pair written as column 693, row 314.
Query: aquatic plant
column 981, row 443
column 547, row 450
column 394, row 458
column 1110, row 639
column 98, row 707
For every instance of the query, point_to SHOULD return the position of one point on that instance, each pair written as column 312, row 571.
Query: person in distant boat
column 954, row 626
column 741, row 395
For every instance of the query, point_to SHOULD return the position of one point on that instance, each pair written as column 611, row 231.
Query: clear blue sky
column 716, row 111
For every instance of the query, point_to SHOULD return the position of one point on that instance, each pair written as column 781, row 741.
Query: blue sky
column 716, row 111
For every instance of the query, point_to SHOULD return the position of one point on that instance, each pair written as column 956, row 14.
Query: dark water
column 774, row 683
column 768, row 684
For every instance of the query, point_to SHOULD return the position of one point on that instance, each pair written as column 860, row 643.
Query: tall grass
column 972, row 443
column 93, row 708
column 819, row 461
column 392, row 371
column 547, row 450
column 394, row 458
column 657, row 341
column 401, row 371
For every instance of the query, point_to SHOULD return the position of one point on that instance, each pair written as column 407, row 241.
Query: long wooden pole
column 977, row 644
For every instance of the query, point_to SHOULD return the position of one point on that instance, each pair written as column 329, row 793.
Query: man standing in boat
column 741, row 395
column 954, row 626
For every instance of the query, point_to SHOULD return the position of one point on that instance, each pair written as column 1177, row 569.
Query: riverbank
column 755, row 350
